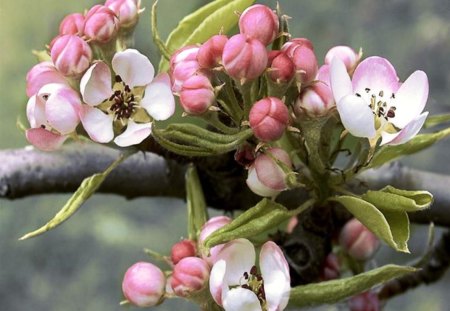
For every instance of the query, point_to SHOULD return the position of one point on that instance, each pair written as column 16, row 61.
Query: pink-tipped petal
column 44, row 140
column 95, row 85
column 377, row 74
column 275, row 272
column 36, row 111
column 241, row 299
column 134, row 134
column 97, row 124
column 217, row 285
column 341, row 85
column 257, row 186
column 411, row 98
column 61, row 114
column 134, row 68
column 408, row 132
column 158, row 100
column 356, row 116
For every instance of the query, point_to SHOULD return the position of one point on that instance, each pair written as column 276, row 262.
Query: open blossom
column 130, row 105
column 375, row 103
column 236, row 285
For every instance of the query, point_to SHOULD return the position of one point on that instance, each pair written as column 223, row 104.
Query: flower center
column 123, row 103
column 253, row 281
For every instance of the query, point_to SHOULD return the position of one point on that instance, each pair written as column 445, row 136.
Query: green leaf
column 155, row 34
column 197, row 212
column 207, row 21
column 330, row 292
column 436, row 120
column 42, row 55
column 418, row 143
column 392, row 199
column 84, row 192
column 260, row 218
column 391, row 227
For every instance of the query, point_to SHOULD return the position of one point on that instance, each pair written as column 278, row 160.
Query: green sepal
column 42, row 55
column 391, row 227
column 200, row 25
column 262, row 217
column 155, row 34
column 192, row 140
column 392, row 199
column 331, row 292
column 437, row 120
column 84, row 192
column 196, row 205
column 418, row 143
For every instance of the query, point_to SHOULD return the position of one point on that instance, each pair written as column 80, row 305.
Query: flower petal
column 411, row 98
column 134, row 68
column 134, row 134
column 356, row 116
column 341, row 85
column 217, row 285
column 241, row 299
column 257, row 186
column 275, row 272
column 408, row 132
column 376, row 73
column 44, row 140
column 97, row 124
column 62, row 110
column 240, row 257
column 36, row 111
column 158, row 100
column 95, row 85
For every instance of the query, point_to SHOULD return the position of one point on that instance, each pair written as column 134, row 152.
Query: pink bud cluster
column 357, row 241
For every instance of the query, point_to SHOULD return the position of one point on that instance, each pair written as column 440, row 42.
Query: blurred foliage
column 79, row 266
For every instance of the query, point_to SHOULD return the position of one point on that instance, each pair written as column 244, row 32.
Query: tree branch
column 25, row 172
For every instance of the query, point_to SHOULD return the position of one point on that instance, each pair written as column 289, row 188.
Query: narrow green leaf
column 84, row 192
column 42, row 55
column 330, row 292
column 207, row 21
column 436, row 120
column 155, row 34
column 391, row 227
column 260, row 218
column 197, row 212
column 418, row 143
column 392, row 199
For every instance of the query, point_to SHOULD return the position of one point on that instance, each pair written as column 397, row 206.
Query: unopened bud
column 144, row 284
column 360, row 243
column 183, row 65
column 305, row 62
column 244, row 58
column 71, row 55
column 265, row 177
column 182, row 249
column 316, row 100
column 269, row 118
column 72, row 24
column 212, row 225
column 210, row 53
column 190, row 275
column 289, row 47
column 331, row 268
column 197, row 95
column 281, row 68
column 244, row 155
column 259, row 22
column 126, row 10
column 367, row 301
column 42, row 74
column 346, row 54
column 101, row 24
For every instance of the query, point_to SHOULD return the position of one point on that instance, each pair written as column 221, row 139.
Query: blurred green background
column 80, row 265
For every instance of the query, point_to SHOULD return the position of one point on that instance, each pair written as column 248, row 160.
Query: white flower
column 131, row 103
column 236, row 285
column 375, row 103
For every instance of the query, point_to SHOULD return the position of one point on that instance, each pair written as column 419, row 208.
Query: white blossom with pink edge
column 236, row 285
column 53, row 115
column 374, row 103
column 132, row 103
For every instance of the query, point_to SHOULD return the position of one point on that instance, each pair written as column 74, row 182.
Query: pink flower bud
column 182, row 249
column 289, row 47
column 269, row 118
column 293, row 222
column 42, row 74
column 144, row 284
column 210, row 53
column 183, row 65
column 265, row 177
column 208, row 228
column 72, row 24
column 367, row 301
column 126, row 10
column 305, row 62
column 189, row 275
column 197, row 95
column 331, row 268
column 346, row 54
column 259, row 22
column 244, row 58
column 71, row 55
column 281, row 68
column 245, row 155
column 315, row 100
column 101, row 24
column 360, row 243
